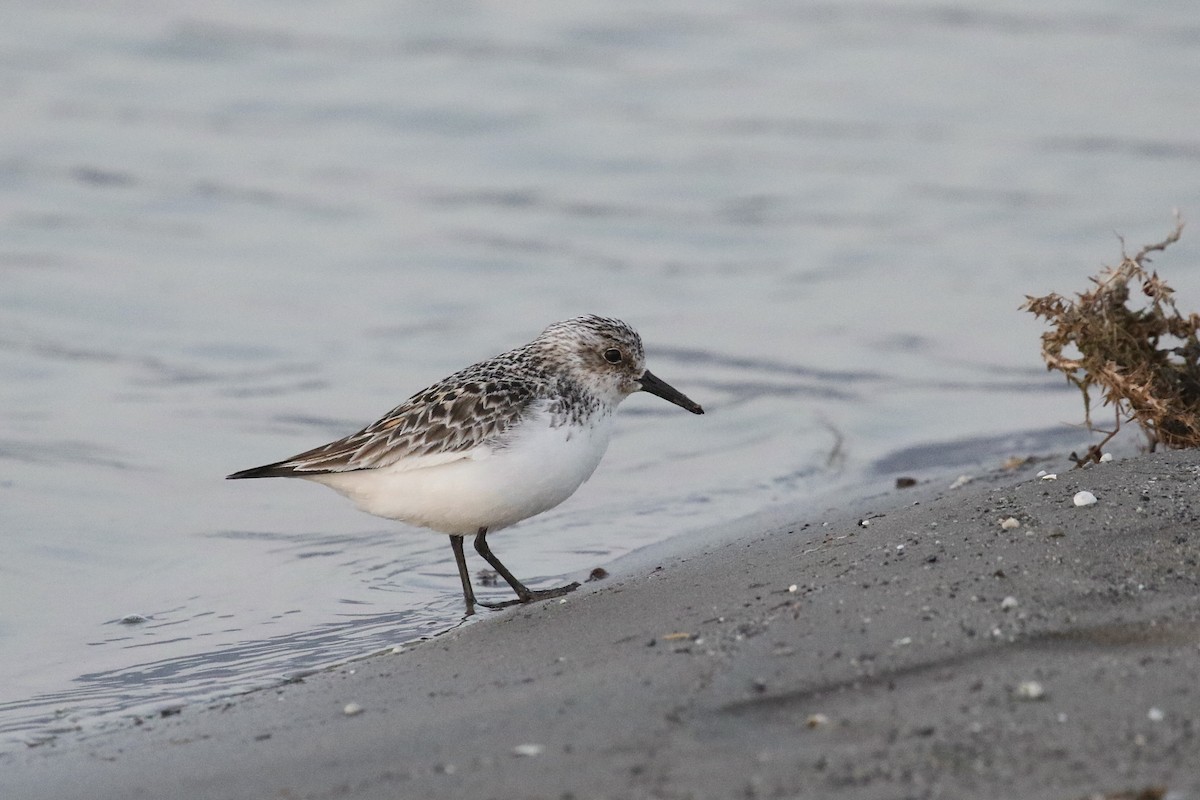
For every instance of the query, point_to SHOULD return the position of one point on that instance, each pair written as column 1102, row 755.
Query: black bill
column 667, row 392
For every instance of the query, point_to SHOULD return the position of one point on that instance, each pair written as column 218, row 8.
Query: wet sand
column 929, row 653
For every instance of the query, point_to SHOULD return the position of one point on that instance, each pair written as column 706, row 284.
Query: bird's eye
column 612, row 355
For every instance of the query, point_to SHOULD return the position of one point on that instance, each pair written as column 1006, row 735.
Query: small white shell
column 528, row 750
column 1030, row 690
column 352, row 709
column 1084, row 499
column 1010, row 523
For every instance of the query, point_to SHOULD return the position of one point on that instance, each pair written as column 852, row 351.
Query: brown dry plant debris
column 1144, row 360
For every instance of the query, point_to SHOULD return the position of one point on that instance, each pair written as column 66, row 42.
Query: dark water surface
column 232, row 231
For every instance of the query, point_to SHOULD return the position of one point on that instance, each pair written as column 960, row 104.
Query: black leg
column 524, row 595
column 456, row 542
column 481, row 546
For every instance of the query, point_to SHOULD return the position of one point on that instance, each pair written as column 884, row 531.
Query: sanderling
column 493, row 444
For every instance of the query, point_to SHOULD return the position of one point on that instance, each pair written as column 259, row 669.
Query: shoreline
column 930, row 653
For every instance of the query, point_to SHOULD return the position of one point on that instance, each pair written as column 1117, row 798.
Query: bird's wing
column 443, row 423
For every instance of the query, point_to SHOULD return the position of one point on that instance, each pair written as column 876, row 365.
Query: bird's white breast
column 490, row 486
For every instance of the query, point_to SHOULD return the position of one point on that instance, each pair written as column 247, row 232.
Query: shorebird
column 493, row 444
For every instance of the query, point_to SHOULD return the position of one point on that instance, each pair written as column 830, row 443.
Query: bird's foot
column 546, row 594
column 533, row 595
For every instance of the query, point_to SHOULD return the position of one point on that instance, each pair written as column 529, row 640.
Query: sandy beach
column 910, row 646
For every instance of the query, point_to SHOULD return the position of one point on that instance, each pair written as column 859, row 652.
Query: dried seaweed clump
column 1144, row 360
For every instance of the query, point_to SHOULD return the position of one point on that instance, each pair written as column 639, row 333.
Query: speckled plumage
column 494, row 443
column 474, row 406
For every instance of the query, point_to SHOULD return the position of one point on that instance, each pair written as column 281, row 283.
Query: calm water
column 232, row 231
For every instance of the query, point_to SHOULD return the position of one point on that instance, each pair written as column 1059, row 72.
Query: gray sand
column 895, row 668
